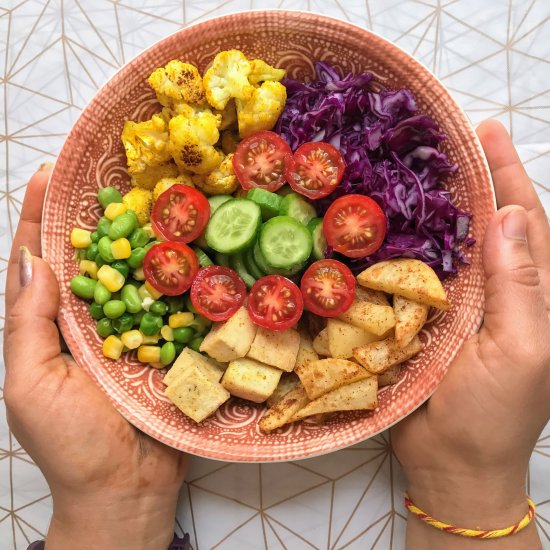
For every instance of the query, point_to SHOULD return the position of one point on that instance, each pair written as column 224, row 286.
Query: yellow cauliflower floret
column 165, row 183
column 192, row 142
column 227, row 78
column 149, row 177
column 177, row 82
column 260, row 71
column 228, row 115
column 262, row 110
column 140, row 201
column 222, row 181
column 229, row 141
column 146, row 143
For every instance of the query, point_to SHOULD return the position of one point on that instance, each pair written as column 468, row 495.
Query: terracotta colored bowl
column 93, row 156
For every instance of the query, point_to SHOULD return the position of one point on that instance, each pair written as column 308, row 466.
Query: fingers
column 28, row 230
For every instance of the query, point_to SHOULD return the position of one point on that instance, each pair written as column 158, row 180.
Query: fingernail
column 46, row 167
column 514, row 225
column 25, row 267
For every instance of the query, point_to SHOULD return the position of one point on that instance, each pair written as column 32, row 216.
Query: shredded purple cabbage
column 391, row 155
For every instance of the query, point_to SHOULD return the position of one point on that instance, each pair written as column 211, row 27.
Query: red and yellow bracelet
column 476, row 533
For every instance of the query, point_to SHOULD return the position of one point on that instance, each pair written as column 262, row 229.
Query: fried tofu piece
column 249, row 379
column 276, row 348
column 211, row 368
column 320, row 343
column 232, row 339
column 410, row 318
column 306, row 353
column 284, row 410
column 343, row 337
column 380, row 356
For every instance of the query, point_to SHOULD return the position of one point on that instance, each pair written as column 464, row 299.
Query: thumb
column 514, row 301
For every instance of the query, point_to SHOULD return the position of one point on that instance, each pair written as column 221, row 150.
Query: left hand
column 113, row 487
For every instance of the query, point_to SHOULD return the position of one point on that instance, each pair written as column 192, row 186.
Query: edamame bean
column 107, row 195
column 139, row 316
column 136, row 257
column 123, row 323
column 131, row 299
column 134, row 216
column 83, row 287
column 138, row 238
column 183, row 335
column 150, row 324
column 122, row 226
column 104, row 249
column 175, row 303
column 94, row 236
column 189, row 305
column 104, row 327
column 101, row 294
column 179, row 347
column 122, row 267
column 195, row 344
column 158, row 307
column 114, row 309
column 99, row 260
column 96, row 311
column 92, row 251
column 103, row 227
column 167, row 353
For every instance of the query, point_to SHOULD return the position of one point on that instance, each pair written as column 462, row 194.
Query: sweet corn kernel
column 157, row 365
column 177, row 320
column 112, row 347
column 153, row 292
column 121, row 249
column 150, row 339
column 81, row 238
column 167, row 333
column 132, row 339
column 143, row 292
column 115, row 209
column 138, row 274
column 148, row 354
column 88, row 267
column 110, row 278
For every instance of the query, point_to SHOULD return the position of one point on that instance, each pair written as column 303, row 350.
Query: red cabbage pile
column 391, row 155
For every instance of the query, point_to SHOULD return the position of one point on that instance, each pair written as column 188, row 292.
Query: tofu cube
column 276, row 348
column 250, row 379
column 212, row 369
column 232, row 339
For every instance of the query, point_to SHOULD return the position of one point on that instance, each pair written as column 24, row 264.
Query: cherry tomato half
column 180, row 214
column 170, row 267
column 315, row 170
column 275, row 302
column 355, row 226
column 260, row 161
column 328, row 288
column 217, row 292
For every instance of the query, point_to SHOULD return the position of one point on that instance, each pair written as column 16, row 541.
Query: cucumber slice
column 285, row 243
column 251, row 265
column 284, row 191
column 267, row 269
column 237, row 263
column 202, row 257
column 217, row 200
column 233, row 226
column 319, row 241
column 222, row 259
column 269, row 203
column 297, row 207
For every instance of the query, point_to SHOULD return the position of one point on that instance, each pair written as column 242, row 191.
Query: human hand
column 113, row 487
column 466, row 453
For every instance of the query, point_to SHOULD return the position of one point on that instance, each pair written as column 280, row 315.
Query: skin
column 465, row 454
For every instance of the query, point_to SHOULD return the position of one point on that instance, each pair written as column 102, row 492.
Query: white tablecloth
column 493, row 56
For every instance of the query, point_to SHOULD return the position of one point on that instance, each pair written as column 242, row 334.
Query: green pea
column 99, row 260
column 96, row 311
column 167, row 353
column 101, row 294
column 158, row 307
column 183, row 335
column 150, row 324
column 138, row 238
column 83, row 287
column 123, row 323
column 200, row 324
column 131, row 299
column 136, row 257
column 189, row 305
column 104, row 248
column 104, row 327
column 94, row 236
column 139, row 316
column 179, row 347
column 122, row 267
column 175, row 303
column 107, row 195
column 195, row 344
column 92, row 251
column 114, row 308
column 122, row 226
column 103, row 226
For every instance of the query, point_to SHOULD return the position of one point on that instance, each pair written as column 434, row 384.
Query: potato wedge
column 276, row 348
column 249, row 379
column 288, row 382
column 320, row 343
column 324, row 375
column 284, row 410
column 410, row 318
column 390, row 376
column 360, row 395
column 343, row 337
column 306, row 352
column 212, row 369
column 412, row 279
column 380, row 356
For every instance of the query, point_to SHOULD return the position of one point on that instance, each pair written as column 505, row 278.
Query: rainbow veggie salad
column 259, row 194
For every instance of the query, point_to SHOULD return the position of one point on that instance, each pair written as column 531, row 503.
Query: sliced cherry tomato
column 180, row 214
column 328, row 288
column 355, row 226
column 170, row 267
column 275, row 302
column 217, row 292
column 315, row 170
column 260, row 161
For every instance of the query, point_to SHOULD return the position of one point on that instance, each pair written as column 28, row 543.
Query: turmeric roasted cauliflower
column 192, row 142
column 228, row 115
column 260, row 71
column 165, row 183
column 149, row 177
column 227, row 78
column 262, row 110
column 177, row 82
column 140, row 201
column 229, row 141
column 221, row 181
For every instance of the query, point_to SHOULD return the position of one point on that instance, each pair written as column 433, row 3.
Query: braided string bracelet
column 475, row 533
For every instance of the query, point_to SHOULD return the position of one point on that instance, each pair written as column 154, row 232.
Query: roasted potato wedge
column 380, row 356
column 306, row 352
column 343, row 337
column 284, row 410
column 288, row 382
column 390, row 376
column 320, row 343
column 410, row 318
